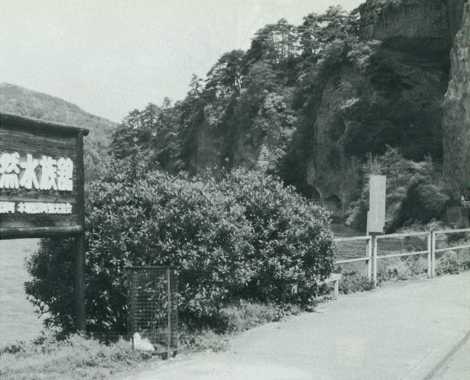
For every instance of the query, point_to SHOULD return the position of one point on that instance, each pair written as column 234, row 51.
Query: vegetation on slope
column 308, row 103
column 24, row 102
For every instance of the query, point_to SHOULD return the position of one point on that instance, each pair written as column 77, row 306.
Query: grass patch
column 245, row 315
column 70, row 359
column 236, row 318
column 353, row 282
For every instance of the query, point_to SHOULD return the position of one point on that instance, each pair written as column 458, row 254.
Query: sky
column 112, row 56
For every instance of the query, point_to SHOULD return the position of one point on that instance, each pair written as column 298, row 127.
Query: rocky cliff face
column 407, row 22
column 387, row 89
column 456, row 120
column 455, row 11
column 395, row 100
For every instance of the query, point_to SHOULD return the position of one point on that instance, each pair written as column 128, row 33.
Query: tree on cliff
column 304, row 102
column 152, row 135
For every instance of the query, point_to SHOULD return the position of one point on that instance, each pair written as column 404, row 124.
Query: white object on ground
column 142, row 344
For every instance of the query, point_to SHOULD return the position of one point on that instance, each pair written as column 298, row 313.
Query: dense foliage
column 254, row 108
column 415, row 193
column 244, row 236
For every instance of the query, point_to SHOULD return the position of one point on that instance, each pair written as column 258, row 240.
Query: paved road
column 412, row 330
column 456, row 365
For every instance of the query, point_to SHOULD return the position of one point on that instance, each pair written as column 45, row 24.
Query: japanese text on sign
column 45, row 173
column 35, row 208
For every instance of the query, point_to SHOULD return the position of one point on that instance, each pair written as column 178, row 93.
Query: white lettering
column 7, row 207
column 9, row 170
column 65, row 174
column 29, row 180
column 43, row 208
column 48, row 173
column 30, row 173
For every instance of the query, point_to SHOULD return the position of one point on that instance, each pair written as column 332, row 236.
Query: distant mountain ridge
column 24, row 102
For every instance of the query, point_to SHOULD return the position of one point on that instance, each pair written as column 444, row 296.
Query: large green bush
column 293, row 247
column 244, row 236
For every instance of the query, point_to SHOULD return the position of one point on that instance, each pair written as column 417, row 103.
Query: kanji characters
column 30, row 173
column 65, row 174
column 29, row 179
column 48, row 173
column 43, row 208
column 7, row 207
column 9, row 170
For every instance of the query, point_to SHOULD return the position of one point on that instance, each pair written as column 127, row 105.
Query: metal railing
column 371, row 248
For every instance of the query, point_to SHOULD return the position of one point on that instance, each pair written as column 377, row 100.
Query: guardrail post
column 429, row 245
column 433, row 254
column 369, row 255
column 373, row 242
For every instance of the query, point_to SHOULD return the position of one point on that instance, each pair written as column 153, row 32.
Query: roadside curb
column 432, row 364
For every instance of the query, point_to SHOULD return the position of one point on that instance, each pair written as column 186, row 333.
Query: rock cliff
column 456, row 120
column 395, row 100
column 414, row 94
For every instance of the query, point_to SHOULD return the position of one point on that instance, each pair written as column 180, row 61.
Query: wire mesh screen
column 153, row 316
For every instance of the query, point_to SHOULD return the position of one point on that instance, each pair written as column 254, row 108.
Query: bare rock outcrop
column 456, row 119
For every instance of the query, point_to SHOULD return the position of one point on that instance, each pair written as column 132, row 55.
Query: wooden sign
column 41, row 178
column 377, row 198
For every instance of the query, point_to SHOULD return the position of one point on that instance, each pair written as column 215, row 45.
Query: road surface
column 407, row 331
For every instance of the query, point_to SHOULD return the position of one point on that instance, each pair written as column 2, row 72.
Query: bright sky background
column 111, row 56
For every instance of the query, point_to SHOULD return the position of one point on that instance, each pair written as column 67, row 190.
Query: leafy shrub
column 402, row 268
column 244, row 236
column 423, row 202
column 245, row 315
column 205, row 340
column 353, row 282
column 293, row 247
column 448, row 263
column 394, row 269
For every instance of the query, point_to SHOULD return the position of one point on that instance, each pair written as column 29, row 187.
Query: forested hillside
column 316, row 104
column 21, row 101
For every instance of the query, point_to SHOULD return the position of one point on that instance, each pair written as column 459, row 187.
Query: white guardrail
column 377, row 247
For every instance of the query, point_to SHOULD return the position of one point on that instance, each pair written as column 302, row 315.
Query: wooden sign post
column 375, row 218
column 42, row 187
column 377, row 200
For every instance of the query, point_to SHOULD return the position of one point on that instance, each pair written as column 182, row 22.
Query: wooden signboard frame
column 42, row 187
